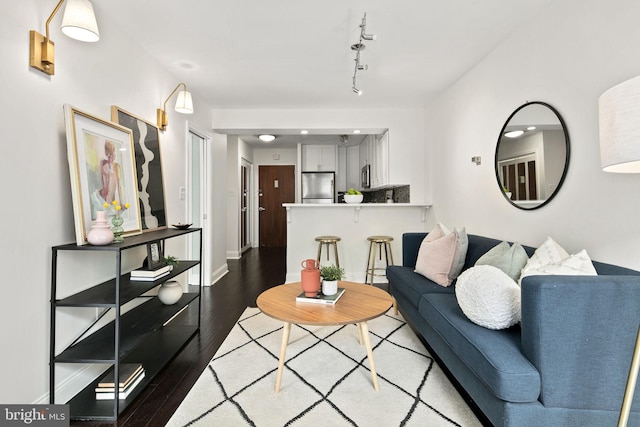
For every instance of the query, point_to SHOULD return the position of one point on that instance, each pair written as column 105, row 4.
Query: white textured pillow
column 489, row 297
column 551, row 258
column 509, row 258
column 441, row 255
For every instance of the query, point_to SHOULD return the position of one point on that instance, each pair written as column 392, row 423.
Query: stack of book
column 321, row 298
column 130, row 376
column 146, row 274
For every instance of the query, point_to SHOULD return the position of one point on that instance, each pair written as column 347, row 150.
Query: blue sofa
column 565, row 364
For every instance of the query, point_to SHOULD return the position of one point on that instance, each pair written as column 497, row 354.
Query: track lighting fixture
column 78, row 22
column 358, row 47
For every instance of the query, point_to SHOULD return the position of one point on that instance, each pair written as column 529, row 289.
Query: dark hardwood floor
column 258, row 270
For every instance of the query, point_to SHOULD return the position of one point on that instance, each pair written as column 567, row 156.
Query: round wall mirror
column 532, row 155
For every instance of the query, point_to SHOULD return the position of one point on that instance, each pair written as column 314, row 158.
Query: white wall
column 37, row 210
column 567, row 57
column 233, row 196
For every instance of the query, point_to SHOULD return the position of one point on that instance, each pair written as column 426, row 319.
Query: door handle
column 261, row 209
column 244, row 209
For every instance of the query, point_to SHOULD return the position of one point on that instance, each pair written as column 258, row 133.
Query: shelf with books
column 146, row 333
column 104, row 294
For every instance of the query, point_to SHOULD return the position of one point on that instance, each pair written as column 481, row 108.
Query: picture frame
column 155, row 256
column 148, row 160
column 101, row 169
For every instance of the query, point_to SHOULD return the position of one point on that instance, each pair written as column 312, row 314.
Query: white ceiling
column 257, row 54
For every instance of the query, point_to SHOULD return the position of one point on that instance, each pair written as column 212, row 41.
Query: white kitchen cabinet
column 319, row 158
column 374, row 151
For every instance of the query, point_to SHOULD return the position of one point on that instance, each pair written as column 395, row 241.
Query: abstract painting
column 146, row 141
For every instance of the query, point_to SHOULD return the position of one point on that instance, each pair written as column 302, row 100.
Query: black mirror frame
column 567, row 156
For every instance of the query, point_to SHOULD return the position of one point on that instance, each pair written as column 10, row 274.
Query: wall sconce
column 78, row 22
column 184, row 105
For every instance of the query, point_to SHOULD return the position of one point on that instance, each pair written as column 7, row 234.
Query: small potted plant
column 330, row 275
column 170, row 260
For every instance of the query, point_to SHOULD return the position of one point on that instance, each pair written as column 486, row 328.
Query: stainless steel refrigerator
column 318, row 187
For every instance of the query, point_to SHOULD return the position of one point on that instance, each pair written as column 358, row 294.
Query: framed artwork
column 155, row 257
column 146, row 142
column 102, row 170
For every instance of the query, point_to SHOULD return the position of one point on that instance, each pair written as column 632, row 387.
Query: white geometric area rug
column 326, row 380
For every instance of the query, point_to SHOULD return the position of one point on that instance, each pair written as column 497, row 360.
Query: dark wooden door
column 276, row 185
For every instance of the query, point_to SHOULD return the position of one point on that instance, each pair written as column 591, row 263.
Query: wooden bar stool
column 328, row 241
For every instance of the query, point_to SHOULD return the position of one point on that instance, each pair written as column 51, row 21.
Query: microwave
column 365, row 176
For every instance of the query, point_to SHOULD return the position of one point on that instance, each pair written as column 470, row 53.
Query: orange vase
column 310, row 277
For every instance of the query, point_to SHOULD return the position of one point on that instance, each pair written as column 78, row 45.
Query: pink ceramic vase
column 100, row 233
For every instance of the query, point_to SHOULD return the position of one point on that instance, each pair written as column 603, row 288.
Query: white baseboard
column 234, row 255
column 219, row 273
column 75, row 382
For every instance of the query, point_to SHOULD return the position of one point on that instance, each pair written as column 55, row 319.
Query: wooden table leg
column 283, row 351
column 367, row 343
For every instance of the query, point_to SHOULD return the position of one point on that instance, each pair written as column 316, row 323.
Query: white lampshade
column 184, row 103
column 619, row 115
column 79, row 21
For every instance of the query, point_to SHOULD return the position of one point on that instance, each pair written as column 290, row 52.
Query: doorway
column 246, row 169
column 276, row 185
column 196, row 202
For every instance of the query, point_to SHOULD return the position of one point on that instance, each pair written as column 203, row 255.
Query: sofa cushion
column 494, row 356
column 551, row 258
column 442, row 255
column 508, row 258
column 412, row 285
column 489, row 297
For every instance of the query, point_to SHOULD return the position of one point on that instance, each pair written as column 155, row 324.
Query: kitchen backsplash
column 399, row 194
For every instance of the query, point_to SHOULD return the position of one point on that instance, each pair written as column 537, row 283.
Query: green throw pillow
column 509, row 258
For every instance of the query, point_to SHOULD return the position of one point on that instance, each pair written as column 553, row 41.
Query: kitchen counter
column 353, row 223
column 356, row 207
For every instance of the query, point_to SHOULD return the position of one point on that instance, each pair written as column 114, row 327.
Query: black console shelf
column 150, row 333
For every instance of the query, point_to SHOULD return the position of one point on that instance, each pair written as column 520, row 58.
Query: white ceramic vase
column 170, row 292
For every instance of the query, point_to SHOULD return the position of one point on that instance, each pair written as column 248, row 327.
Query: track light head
column 371, row 37
column 357, row 91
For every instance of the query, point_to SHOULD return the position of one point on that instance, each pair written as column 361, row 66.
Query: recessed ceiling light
column 304, row 132
column 514, row 133
column 531, row 128
column 267, row 138
column 356, row 131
